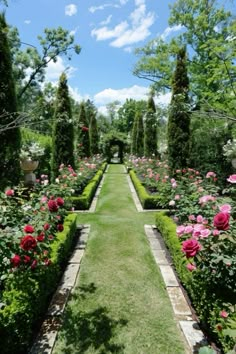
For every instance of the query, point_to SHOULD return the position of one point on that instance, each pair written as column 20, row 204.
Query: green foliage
column 93, row 135
column 10, row 139
column 63, row 131
column 26, row 297
column 150, row 129
column 114, row 138
column 83, row 143
column 179, row 118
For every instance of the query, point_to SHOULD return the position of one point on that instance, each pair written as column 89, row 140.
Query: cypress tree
column 134, row 135
column 83, row 133
column 93, row 134
column 179, row 117
column 150, row 136
column 10, row 139
column 140, row 134
column 63, row 131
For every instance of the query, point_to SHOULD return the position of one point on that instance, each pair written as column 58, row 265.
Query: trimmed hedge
column 83, row 201
column 147, row 201
column 26, row 297
column 167, row 228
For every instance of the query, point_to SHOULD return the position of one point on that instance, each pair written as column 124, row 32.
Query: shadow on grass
column 94, row 330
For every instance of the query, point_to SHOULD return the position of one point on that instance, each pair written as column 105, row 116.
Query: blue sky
column 107, row 31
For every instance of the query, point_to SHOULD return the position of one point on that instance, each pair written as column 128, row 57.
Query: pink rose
column 199, row 219
column 226, row 208
column 232, row 179
column 9, row 192
column 205, row 233
column 216, row 232
column 190, row 247
column 224, row 314
column 191, row 267
column 221, row 221
column 188, row 229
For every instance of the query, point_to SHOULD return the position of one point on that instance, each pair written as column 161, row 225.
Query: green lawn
column 120, row 304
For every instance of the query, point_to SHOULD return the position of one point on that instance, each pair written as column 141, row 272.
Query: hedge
column 147, row 201
column 26, row 297
column 83, row 201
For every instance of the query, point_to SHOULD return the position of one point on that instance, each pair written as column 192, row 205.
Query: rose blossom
column 28, row 242
column 210, row 174
column 15, row 261
column 41, row 237
column 172, row 203
column 191, row 217
column 9, row 192
column 60, row 227
column 59, row 201
column 180, row 230
column 226, row 208
column 221, row 221
column 28, row 229
column 205, row 233
column 232, row 179
column 188, row 229
column 52, row 206
column 190, row 247
column 199, row 219
column 216, row 232
column 191, row 267
column 224, row 314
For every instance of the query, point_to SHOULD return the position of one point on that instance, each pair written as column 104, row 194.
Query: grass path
column 120, row 304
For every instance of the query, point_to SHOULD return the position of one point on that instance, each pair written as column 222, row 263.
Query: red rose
column 34, row 264
column 41, row 237
column 59, row 201
column 52, row 206
column 60, row 227
column 47, row 262
column 28, row 242
column 85, row 129
column 26, row 259
column 46, row 226
column 28, row 229
column 190, row 247
column 221, row 221
column 15, row 261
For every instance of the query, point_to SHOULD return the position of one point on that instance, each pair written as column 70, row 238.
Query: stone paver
column 76, row 255
column 193, row 335
column 179, row 303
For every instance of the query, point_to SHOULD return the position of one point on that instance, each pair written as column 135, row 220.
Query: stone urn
column 29, row 166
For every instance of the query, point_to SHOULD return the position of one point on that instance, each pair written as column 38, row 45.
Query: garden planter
column 28, row 166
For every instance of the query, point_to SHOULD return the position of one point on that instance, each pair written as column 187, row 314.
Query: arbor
column 63, row 131
column 179, row 117
column 10, row 139
column 83, row 133
column 150, row 129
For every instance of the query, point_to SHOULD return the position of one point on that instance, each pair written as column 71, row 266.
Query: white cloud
column 54, row 70
column 130, row 31
column 73, row 32
column 70, row 10
column 163, row 99
column 109, row 95
column 107, row 21
column 93, row 9
column 169, row 30
column 123, row 2
column 27, row 22
column 74, row 92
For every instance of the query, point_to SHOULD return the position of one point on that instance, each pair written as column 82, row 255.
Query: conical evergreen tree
column 63, row 131
column 140, row 134
column 10, row 139
column 83, row 133
column 93, row 135
column 150, row 136
column 179, row 117
column 134, row 135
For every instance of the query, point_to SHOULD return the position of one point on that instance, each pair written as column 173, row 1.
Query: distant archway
column 118, row 140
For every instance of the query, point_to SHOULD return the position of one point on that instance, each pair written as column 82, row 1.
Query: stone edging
column 46, row 338
column 193, row 335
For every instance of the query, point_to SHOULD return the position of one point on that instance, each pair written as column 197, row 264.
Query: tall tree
column 179, row 117
column 140, row 134
column 93, row 135
column 63, row 131
column 10, row 140
column 83, row 142
column 150, row 129
column 134, row 135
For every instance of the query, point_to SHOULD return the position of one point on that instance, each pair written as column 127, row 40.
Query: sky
column 108, row 32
